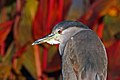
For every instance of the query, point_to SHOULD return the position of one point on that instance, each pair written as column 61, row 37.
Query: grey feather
column 89, row 61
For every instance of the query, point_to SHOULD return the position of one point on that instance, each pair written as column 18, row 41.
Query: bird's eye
column 60, row 31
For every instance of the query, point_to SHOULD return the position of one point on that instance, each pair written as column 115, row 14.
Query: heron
column 82, row 52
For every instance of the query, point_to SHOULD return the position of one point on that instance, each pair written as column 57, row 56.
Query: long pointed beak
column 44, row 39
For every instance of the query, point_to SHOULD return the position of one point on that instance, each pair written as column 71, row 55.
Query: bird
column 82, row 52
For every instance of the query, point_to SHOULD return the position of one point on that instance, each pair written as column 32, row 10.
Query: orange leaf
column 4, row 30
column 37, row 60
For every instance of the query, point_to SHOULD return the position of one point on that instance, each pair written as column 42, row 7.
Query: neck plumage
column 67, row 35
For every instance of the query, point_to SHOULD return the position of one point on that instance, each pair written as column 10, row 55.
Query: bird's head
column 61, row 32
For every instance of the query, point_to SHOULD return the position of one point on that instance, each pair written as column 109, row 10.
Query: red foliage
column 48, row 14
column 20, row 51
column 92, row 15
column 37, row 61
column 45, row 54
column 100, row 30
column 114, row 59
column 4, row 30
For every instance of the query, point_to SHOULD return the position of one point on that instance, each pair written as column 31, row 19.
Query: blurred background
column 24, row 21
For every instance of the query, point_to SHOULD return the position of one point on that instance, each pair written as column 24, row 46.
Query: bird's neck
column 67, row 35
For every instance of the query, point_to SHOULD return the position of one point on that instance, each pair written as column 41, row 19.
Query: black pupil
column 59, row 31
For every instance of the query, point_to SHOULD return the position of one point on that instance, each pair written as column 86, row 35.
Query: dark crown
column 67, row 24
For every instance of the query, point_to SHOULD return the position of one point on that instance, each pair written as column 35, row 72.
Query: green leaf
column 6, row 64
column 111, row 26
column 29, row 61
column 9, row 54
